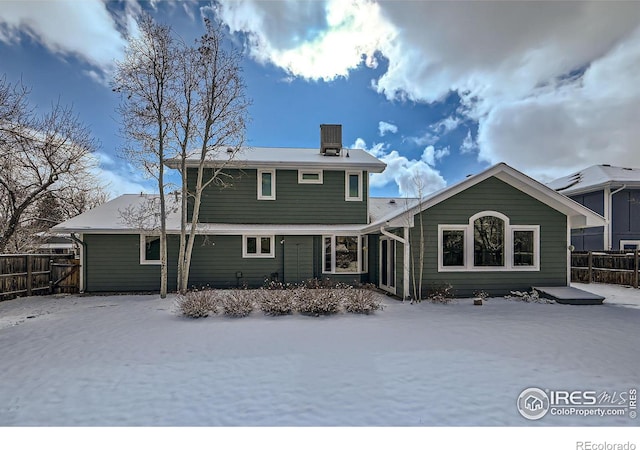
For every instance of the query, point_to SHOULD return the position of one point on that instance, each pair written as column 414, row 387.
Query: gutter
column 406, row 257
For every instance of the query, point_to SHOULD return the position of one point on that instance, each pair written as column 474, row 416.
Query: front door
column 388, row 264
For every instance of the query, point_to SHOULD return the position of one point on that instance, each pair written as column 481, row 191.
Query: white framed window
column 310, row 177
column 488, row 242
column 266, row 184
column 343, row 254
column 628, row 244
column 258, row 247
column 451, row 247
column 525, row 241
column 149, row 249
column 353, row 186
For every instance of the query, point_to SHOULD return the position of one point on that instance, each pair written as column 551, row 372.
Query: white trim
column 392, row 243
column 606, row 234
column 143, row 254
column 569, row 247
column 508, row 253
column 347, row 175
column 258, row 254
column 81, row 255
column 333, row 254
column 303, row 172
column 536, row 247
column 441, row 229
column 261, row 196
column 624, row 242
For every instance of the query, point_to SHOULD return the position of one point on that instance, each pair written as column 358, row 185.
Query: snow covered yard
column 132, row 360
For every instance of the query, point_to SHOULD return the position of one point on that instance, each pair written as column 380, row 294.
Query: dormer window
column 266, row 184
column 353, row 186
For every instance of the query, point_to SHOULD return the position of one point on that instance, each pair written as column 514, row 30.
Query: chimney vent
column 330, row 139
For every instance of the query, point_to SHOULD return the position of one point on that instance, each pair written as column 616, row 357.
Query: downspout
column 83, row 266
column 406, row 257
column 609, row 245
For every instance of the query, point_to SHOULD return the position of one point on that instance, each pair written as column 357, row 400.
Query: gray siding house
column 294, row 214
column 612, row 192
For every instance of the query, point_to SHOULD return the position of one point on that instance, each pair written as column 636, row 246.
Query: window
column 343, row 254
column 488, row 242
column 258, row 247
column 149, row 249
column 353, row 186
column 310, row 176
column 453, row 248
column 266, row 184
column 523, row 253
column 626, row 244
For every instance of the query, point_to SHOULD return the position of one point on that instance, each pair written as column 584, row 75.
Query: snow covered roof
column 288, row 158
column 594, row 178
column 123, row 214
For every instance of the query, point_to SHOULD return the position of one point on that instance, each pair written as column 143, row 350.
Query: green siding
column 495, row 195
column 217, row 259
column 295, row 203
column 298, row 258
column 113, row 264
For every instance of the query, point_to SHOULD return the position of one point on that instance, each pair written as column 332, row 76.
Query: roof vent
column 606, row 165
column 330, row 140
column 229, row 150
column 392, row 201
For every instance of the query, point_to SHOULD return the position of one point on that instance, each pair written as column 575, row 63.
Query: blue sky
column 438, row 89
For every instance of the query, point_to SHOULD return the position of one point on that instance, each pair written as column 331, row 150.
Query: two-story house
column 292, row 214
column 614, row 193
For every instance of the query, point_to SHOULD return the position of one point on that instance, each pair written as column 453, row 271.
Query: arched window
column 488, row 241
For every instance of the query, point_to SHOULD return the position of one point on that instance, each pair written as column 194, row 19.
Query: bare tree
column 145, row 78
column 213, row 113
column 43, row 159
column 417, row 251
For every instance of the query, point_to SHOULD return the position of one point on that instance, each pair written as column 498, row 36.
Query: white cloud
column 386, row 127
column 410, row 175
column 552, row 85
column 468, row 145
column 118, row 177
column 83, row 29
column 313, row 40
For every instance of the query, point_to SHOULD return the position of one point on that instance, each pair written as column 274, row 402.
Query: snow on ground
column 132, row 360
column 614, row 294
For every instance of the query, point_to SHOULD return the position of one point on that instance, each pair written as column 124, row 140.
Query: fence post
column 635, row 275
column 590, row 259
column 51, row 278
column 29, row 262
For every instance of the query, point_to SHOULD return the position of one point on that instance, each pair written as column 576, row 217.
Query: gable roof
column 578, row 215
column 596, row 177
column 286, row 158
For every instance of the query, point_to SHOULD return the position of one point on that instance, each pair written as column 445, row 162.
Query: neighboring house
column 295, row 214
column 613, row 192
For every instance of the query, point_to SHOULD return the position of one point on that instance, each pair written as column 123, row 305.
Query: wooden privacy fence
column 38, row 274
column 613, row 267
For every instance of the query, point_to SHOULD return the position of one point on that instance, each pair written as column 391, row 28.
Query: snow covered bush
column 196, row 304
column 317, row 302
column 276, row 302
column 529, row 297
column 441, row 294
column 238, row 303
column 361, row 301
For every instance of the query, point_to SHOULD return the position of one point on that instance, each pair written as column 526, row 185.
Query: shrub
column 196, row 304
column 441, row 294
column 317, row 302
column 361, row 301
column 238, row 303
column 529, row 297
column 276, row 302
